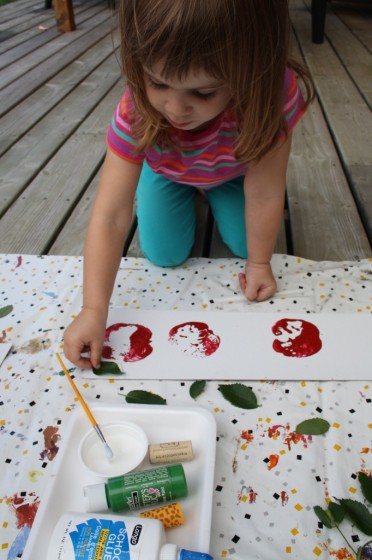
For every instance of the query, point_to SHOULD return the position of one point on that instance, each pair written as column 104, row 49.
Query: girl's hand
column 258, row 282
column 85, row 334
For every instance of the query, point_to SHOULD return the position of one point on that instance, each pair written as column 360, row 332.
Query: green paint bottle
column 138, row 489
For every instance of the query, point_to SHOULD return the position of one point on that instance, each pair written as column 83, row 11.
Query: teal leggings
column 166, row 217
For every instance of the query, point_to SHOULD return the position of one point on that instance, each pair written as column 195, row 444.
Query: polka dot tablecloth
column 268, row 477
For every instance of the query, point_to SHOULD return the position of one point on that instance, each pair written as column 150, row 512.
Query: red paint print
column 129, row 342
column 24, row 510
column 195, row 339
column 296, row 338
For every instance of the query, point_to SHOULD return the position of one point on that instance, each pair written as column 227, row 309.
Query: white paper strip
column 230, row 345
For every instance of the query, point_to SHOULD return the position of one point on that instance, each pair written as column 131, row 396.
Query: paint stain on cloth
column 24, row 508
column 51, row 436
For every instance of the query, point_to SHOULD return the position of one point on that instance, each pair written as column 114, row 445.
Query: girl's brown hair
column 244, row 43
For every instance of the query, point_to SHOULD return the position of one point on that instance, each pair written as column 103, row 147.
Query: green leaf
column 239, row 395
column 108, row 368
column 323, row 516
column 366, row 486
column 313, row 427
column 197, row 388
column 358, row 514
column 144, row 397
column 336, row 512
column 5, row 310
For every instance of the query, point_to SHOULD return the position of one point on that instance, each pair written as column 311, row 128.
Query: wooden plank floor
column 57, row 95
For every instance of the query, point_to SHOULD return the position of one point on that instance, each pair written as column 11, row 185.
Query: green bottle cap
column 179, row 484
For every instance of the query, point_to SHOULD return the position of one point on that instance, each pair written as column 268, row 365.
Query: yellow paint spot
column 303, row 403
column 320, row 390
column 288, row 549
column 2, row 422
column 299, row 260
column 86, row 385
column 20, row 411
column 216, row 409
column 5, row 545
column 205, row 305
column 303, row 383
column 322, row 296
column 359, row 310
column 25, row 452
column 243, row 447
column 336, row 425
column 321, row 284
column 317, row 551
column 294, row 491
column 268, row 420
column 370, row 426
column 67, row 409
column 5, row 524
column 282, row 452
column 35, row 475
column 243, row 498
column 337, row 447
column 223, row 553
column 298, row 507
column 294, row 531
column 352, row 490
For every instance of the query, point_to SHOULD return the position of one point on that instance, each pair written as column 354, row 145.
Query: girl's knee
column 161, row 257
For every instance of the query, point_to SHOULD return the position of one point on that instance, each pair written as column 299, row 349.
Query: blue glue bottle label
column 103, row 538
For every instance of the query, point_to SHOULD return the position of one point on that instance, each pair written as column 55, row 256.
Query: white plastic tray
column 64, row 491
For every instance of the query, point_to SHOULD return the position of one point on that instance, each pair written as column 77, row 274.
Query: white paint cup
column 128, row 442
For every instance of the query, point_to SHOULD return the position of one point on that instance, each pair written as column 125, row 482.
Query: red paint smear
column 252, row 496
column 25, row 512
column 140, row 343
column 248, row 436
column 304, row 344
column 19, row 262
column 206, row 344
column 273, row 431
column 274, row 460
column 342, row 554
column 284, row 498
column 51, row 436
column 294, row 437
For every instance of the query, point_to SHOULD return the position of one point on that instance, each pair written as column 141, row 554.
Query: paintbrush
column 108, row 450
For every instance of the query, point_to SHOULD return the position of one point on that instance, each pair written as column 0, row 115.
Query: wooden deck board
column 58, row 93
column 347, row 114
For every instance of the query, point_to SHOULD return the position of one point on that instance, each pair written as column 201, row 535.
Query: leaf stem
column 345, row 539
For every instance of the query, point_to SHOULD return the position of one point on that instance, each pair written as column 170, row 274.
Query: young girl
column 210, row 104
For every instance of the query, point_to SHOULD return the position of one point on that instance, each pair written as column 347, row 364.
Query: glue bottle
column 81, row 536
column 138, row 489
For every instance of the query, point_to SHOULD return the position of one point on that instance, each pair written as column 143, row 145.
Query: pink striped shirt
column 204, row 159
